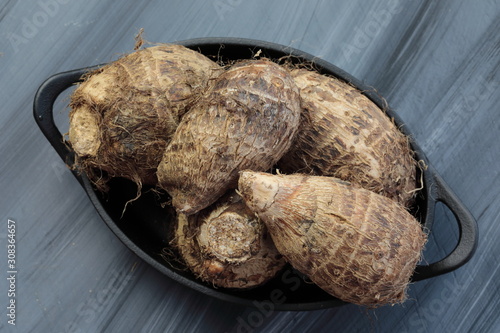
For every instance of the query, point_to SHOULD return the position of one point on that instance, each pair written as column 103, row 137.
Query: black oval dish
column 143, row 227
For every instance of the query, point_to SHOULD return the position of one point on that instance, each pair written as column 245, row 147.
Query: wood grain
column 437, row 63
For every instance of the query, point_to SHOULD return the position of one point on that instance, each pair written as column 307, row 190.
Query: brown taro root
column 123, row 114
column 227, row 245
column 358, row 246
column 343, row 134
column 247, row 120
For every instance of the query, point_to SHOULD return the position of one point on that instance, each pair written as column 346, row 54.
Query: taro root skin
column 84, row 132
column 227, row 245
column 123, row 114
column 344, row 134
column 247, row 120
column 358, row 246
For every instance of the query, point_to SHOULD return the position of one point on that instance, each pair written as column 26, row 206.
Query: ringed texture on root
column 357, row 245
column 247, row 120
column 124, row 114
column 227, row 245
column 344, row 134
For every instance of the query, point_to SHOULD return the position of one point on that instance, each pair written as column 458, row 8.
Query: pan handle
column 468, row 234
column 43, row 104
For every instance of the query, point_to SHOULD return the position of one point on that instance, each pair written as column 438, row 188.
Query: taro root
column 357, row 245
column 344, row 134
column 247, row 120
column 227, row 245
column 123, row 114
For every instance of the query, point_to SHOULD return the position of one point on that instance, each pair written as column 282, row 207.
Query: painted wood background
column 436, row 62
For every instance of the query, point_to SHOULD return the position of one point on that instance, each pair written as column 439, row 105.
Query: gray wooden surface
column 436, row 62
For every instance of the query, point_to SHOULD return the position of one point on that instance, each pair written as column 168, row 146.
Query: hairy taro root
column 123, row 114
column 247, row 120
column 358, row 246
column 169, row 116
column 227, row 245
column 344, row 134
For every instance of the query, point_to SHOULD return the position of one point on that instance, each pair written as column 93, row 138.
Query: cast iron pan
column 144, row 225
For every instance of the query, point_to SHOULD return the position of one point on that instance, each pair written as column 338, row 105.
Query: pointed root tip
column 258, row 189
